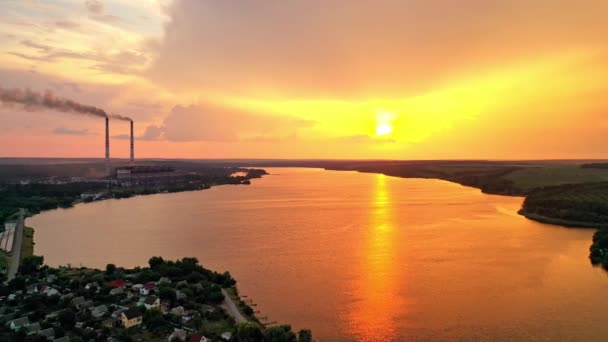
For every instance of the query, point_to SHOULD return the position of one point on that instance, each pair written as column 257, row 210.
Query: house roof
column 149, row 286
column 78, row 300
column 132, row 313
column 101, row 308
column 178, row 333
column 19, row 322
column 117, row 290
column 151, row 300
column 50, row 332
column 117, row 283
column 33, row 328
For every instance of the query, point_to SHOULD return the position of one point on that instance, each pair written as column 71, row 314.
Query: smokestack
column 108, row 168
column 132, row 148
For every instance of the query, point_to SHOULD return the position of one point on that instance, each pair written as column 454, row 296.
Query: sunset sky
column 399, row 79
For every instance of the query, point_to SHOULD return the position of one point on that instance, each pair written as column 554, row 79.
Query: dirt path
column 232, row 309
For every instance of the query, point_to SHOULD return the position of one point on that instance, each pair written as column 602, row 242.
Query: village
column 167, row 301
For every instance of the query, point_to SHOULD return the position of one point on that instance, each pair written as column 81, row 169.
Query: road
column 232, row 309
column 17, row 241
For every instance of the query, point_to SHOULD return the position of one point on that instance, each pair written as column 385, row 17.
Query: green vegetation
column 599, row 249
column 540, row 176
column 584, row 205
column 27, row 247
column 43, row 187
column 88, row 305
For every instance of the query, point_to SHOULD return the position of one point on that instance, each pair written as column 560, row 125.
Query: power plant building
column 145, row 175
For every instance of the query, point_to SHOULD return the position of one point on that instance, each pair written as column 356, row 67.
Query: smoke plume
column 31, row 100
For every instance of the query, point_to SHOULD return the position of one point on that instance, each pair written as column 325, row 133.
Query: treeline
column 583, row 204
column 602, row 166
column 38, row 197
column 487, row 176
column 598, row 252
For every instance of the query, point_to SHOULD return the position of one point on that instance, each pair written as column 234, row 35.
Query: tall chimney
column 108, row 167
column 132, row 148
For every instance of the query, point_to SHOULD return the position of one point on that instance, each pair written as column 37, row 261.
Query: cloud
column 67, row 24
column 214, row 123
column 94, row 6
column 69, row 131
column 97, row 12
column 122, row 62
column 37, row 46
column 348, row 49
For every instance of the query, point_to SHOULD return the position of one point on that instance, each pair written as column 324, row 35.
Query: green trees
column 248, row 332
column 110, row 269
column 281, row 333
column 31, row 264
column 67, row 318
column 598, row 252
column 166, row 293
column 305, row 335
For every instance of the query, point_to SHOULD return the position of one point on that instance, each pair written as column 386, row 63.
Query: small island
column 166, row 301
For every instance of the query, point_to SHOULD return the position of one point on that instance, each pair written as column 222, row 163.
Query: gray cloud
column 351, row 49
column 67, row 25
column 37, row 46
column 97, row 12
column 94, row 6
column 69, row 131
column 212, row 123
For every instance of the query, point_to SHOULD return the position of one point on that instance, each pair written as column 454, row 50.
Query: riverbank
column 168, row 299
column 39, row 196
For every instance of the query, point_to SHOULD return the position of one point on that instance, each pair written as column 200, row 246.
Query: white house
column 152, row 302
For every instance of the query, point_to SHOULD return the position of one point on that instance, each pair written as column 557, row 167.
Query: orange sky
column 417, row 79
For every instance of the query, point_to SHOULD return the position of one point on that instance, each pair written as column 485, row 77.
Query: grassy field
column 555, row 174
column 27, row 248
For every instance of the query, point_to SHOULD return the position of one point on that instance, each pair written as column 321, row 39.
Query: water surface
column 360, row 257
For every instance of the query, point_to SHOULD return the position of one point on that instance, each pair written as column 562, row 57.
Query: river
column 358, row 257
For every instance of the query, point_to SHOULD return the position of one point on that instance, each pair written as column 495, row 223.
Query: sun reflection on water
column 373, row 316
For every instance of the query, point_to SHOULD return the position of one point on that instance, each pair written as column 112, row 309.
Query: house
column 137, row 287
column 67, row 296
column 178, row 311
column 32, row 329
column 91, row 285
column 145, row 290
column 131, row 317
column 117, row 291
column 19, row 323
column 109, row 323
column 118, row 312
column 48, row 333
column 52, row 292
column 227, row 335
column 198, row 338
column 152, row 302
column 87, row 304
column 164, row 281
column 99, row 311
column 117, row 283
column 78, row 301
column 177, row 334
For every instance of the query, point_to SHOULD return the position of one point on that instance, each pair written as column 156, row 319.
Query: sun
column 384, row 128
column 384, row 122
